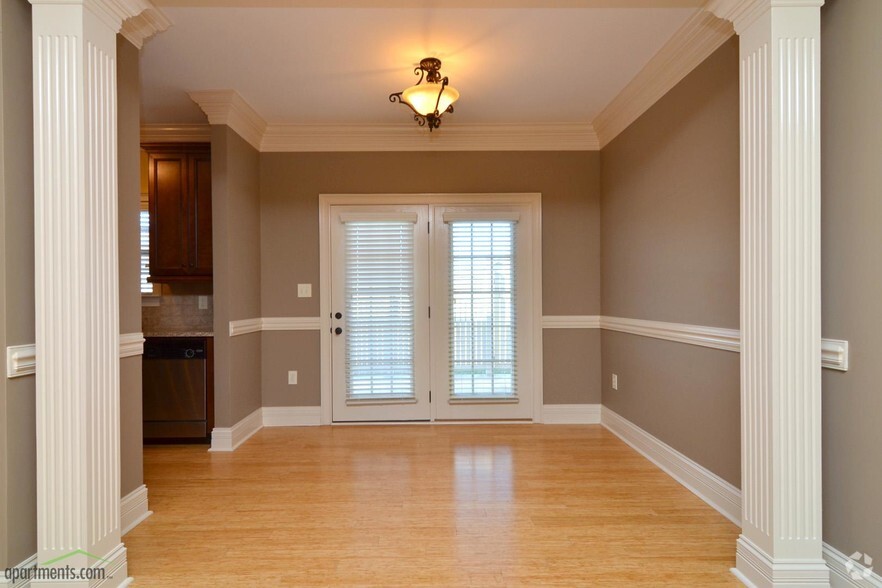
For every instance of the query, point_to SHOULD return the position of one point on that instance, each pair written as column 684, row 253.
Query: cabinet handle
column 338, row 331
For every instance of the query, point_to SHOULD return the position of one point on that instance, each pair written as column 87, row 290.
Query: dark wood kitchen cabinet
column 179, row 184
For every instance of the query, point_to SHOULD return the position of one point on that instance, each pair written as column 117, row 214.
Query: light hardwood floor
column 483, row 505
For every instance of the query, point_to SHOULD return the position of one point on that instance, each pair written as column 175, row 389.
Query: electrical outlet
column 615, row 381
column 292, row 377
column 203, row 303
column 304, row 290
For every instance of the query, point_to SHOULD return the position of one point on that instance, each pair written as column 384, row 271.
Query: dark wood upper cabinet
column 179, row 183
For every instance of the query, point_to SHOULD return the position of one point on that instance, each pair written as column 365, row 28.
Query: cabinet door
column 200, row 220
column 169, row 214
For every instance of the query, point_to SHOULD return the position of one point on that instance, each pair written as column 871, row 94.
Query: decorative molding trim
column 714, row 337
column 715, row 491
column 227, row 107
column 21, row 360
column 842, row 567
column 229, row 438
column 292, row 416
column 20, row 583
column 131, row 344
column 722, row 496
column 571, row 414
column 184, row 133
column 244, row 326
column 694, row 42
column 138, row 29
column 757, row 569
column 834, row 354
column 571, row 322
column 409, row 137
column 291, row 323
column 134, row 509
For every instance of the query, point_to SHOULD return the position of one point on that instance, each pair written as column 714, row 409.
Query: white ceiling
column 338, row 65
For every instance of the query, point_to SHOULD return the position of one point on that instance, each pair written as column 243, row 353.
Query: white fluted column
column 781, row 538
column 77, row 318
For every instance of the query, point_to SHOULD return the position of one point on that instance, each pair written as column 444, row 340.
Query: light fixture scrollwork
column 431, row 97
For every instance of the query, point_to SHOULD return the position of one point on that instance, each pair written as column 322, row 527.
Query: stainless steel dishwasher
column 176, row 390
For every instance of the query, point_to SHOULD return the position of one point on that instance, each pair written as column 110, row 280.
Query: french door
column 431, row 312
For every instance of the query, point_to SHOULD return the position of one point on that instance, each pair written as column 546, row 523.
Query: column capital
column 742, row 13
column 113, row 12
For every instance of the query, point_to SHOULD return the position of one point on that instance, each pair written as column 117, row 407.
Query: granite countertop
column 179, row 334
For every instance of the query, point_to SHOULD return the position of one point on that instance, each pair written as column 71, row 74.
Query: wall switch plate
column 304, row 290
column 203, row 303
column 615, row 381
column 292, row 377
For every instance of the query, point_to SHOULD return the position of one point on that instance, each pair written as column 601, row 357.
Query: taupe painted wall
column 290, row 184
column 236, row 230
column 129, row 171
column 17, row 404
column 851, row 218
column 670, row 243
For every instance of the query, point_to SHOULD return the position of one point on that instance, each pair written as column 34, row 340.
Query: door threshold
column 436, row 422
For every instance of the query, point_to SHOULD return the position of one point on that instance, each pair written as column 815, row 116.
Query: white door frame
column 534, row 200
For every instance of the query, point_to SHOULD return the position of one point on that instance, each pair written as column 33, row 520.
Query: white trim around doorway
column 534, row 200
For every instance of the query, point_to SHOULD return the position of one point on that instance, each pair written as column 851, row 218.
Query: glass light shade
column 423, row 97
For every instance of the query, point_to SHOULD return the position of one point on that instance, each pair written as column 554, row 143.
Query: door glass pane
column 482, row 309
column 379, row 310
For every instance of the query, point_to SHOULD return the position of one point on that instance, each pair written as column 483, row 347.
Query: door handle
column 338, row 330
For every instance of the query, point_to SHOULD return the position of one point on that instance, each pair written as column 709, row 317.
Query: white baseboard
column 842, row 567
column 571, row 414
column 229, row 438
column 292, row 416
column 708, row 486
column 722, row 496
column 133, row 509
column 8, row 583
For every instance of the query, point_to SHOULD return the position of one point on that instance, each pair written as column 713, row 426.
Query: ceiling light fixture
column 431, row 99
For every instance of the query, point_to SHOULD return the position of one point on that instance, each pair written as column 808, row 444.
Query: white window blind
column 483, row 317
column 146, row 287
column 379, row 309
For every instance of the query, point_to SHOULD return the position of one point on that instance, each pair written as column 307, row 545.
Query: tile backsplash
column 178, row 314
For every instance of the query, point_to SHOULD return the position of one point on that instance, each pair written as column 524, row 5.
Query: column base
column 112, row 572
column 754, row 568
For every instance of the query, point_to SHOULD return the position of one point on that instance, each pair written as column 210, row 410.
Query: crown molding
column 184, row 133
column 227, row 107
column 742, row 13
column 138, row 29
column 694, row 42
column 410, row 137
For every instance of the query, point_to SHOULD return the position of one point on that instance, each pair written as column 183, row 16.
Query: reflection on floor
column 482, row 505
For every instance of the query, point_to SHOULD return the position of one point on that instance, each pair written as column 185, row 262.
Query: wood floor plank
column 482, row 505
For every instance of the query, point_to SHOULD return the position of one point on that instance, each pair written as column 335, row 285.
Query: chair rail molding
column 21, row 360
column 834, row 352
column 131, row 344
column 275, row 323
